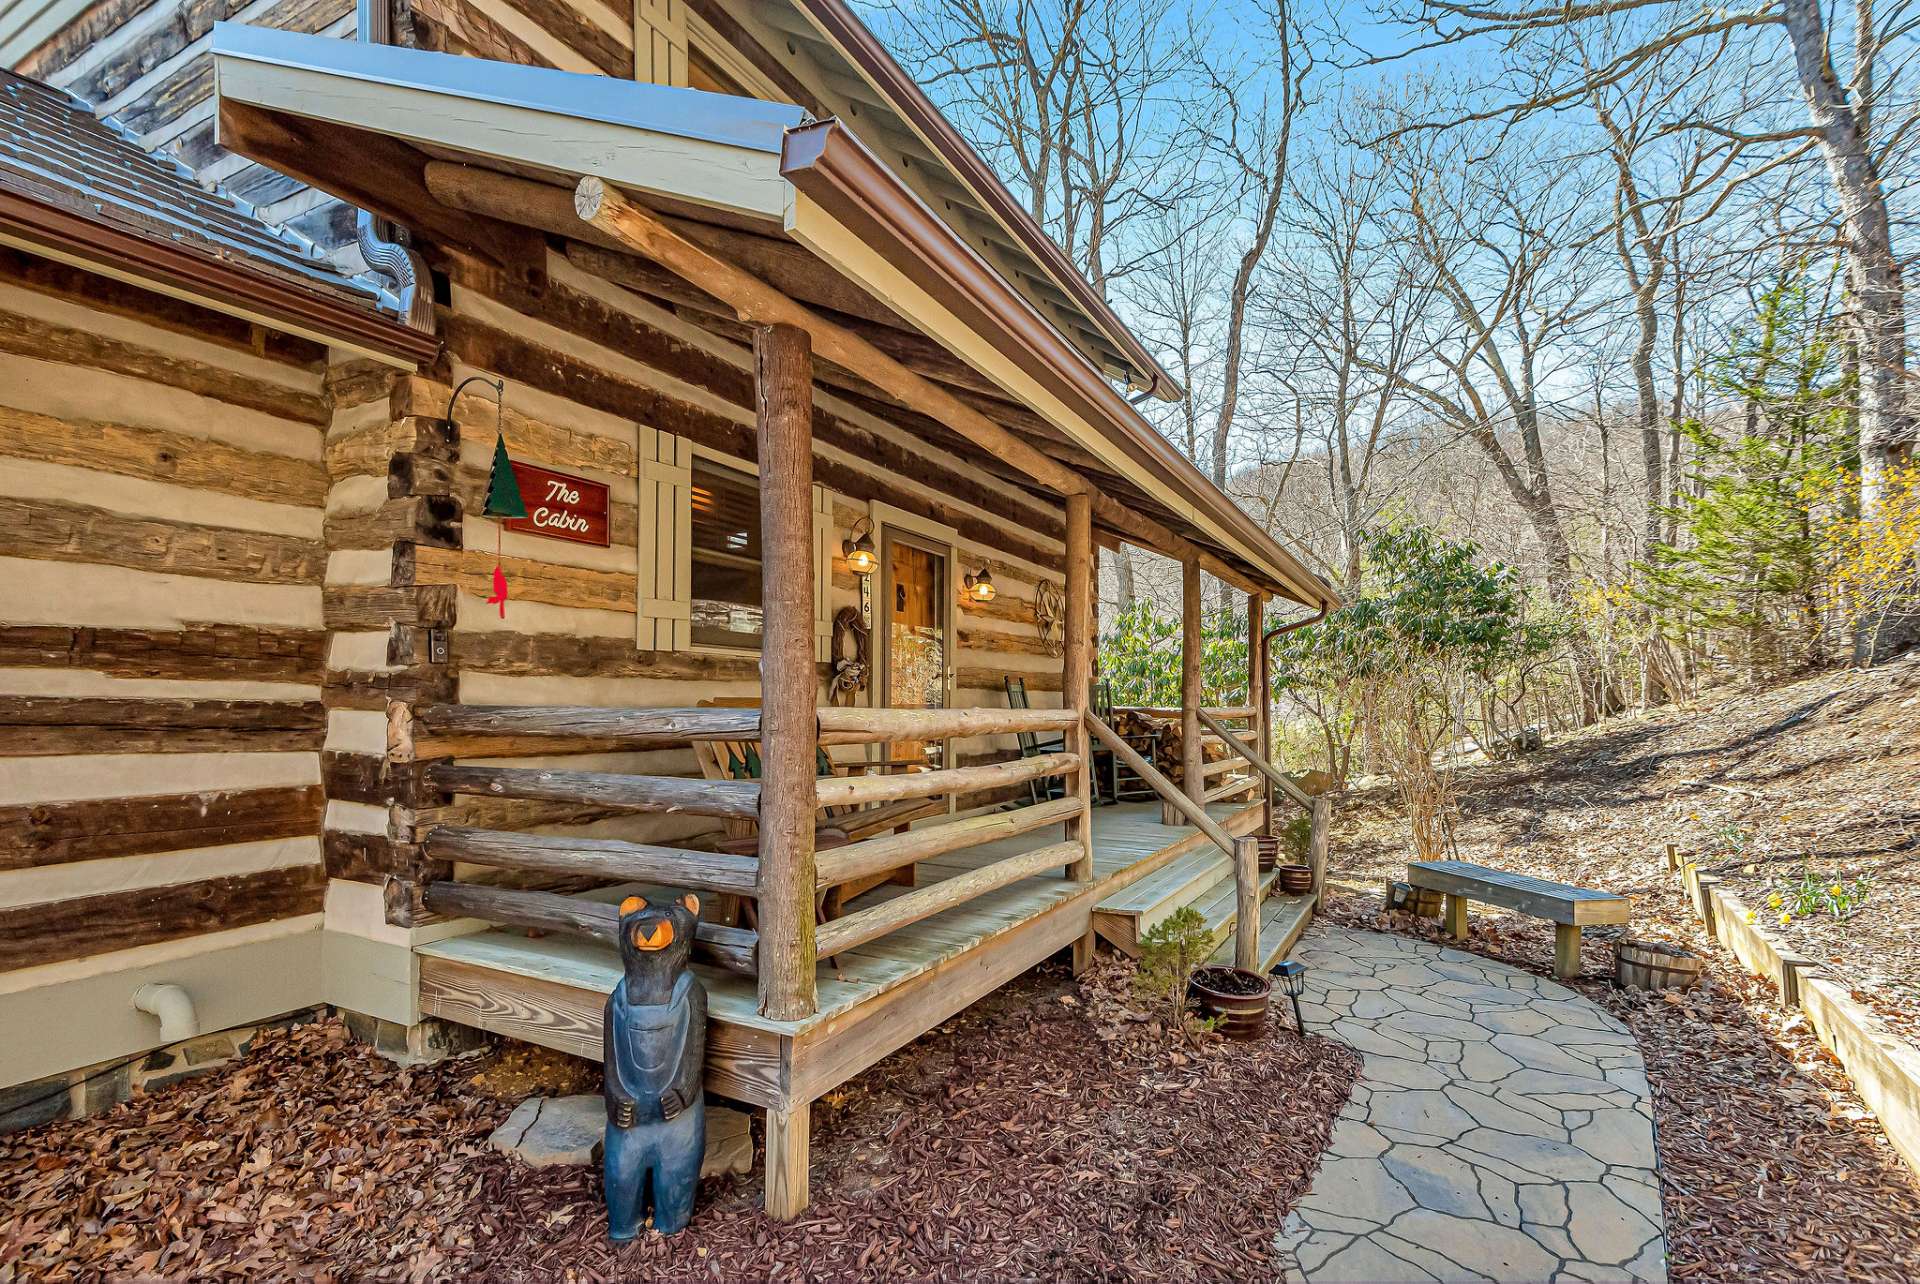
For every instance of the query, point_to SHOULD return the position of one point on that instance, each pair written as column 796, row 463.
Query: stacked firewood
column 1137, row 725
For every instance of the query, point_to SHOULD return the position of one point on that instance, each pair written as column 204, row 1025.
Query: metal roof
column 54, row 154
column 748, row 123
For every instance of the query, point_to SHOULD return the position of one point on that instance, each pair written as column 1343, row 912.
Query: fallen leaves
column 1771, row 1165
column 1029, row 1137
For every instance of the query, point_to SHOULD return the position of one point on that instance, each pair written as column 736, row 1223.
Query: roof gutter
column 186, row 273
column 840, row 25
column 831, row 166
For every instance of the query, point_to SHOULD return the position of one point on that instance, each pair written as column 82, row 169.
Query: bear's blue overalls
column 656, row 1050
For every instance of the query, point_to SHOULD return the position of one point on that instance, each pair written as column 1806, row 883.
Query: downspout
column 373, row 24
column 173, row 1005
column 1266, row 673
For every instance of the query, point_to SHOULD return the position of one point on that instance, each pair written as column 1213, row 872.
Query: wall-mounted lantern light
column 858, row 549
column 980, row 586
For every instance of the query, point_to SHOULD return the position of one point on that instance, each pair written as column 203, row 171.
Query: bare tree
column 1499, row 233
column 1350, row 309
column 1841, row 118
column 1073, row 100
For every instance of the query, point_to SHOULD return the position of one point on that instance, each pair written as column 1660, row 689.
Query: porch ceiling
column 805, row 208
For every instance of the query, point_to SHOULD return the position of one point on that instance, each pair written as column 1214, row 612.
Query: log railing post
column 1246, row 903
column 1191, row 756
column 1317, row 849
column 789, row 732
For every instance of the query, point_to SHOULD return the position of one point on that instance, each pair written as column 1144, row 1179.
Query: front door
column 917, row 608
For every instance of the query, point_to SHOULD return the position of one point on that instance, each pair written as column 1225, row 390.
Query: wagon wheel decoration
column 852, row 653
column 1048, row 606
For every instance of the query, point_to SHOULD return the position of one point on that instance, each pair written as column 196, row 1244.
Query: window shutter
column 665, row 540
column 824, row 547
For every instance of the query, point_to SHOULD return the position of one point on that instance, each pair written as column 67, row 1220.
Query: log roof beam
column 635, row 227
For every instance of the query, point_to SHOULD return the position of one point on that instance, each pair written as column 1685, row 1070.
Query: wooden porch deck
column 872, row 999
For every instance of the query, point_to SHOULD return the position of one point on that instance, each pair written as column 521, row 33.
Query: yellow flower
column 1837, row 890
column 1773, row 901
column 1786, row 918
column 1750, row 915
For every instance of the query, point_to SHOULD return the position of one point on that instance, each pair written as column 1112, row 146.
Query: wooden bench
column 1567, row 907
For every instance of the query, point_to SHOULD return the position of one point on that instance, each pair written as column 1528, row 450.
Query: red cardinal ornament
column 499, row 590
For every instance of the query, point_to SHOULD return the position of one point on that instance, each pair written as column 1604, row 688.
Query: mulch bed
column 1771, row 1166
column 1050, row 1131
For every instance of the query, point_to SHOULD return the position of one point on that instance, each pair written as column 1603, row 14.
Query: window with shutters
column 725, row 581
column 699, row 554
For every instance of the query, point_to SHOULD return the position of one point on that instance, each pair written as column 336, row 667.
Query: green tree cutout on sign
column 503, row 488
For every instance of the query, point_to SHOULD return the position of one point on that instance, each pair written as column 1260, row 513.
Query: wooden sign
column 561, row 506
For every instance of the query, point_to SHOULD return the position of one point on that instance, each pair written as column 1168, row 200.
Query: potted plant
column 1296, row 877
column 1170, row 950
column 1235, row 999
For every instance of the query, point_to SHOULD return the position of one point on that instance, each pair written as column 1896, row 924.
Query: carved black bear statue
column 656, row 1050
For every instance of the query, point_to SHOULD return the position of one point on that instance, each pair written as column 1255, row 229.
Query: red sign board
column 561, row 506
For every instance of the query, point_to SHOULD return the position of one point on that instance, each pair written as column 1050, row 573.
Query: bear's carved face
column 655, row 942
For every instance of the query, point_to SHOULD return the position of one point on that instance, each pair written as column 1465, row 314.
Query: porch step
column 1159, row 894
column 1282, row 919
column 1202, row 879
column 1217, row 905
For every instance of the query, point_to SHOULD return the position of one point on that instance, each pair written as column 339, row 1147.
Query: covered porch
column 787, row 241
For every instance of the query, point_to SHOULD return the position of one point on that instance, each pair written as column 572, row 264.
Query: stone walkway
column 1501, row 1128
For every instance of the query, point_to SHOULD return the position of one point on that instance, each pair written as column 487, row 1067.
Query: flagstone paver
column 1501, row 1129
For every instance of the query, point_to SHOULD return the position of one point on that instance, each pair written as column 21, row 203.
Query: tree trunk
column 1873, row 271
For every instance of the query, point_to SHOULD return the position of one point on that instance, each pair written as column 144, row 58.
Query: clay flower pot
column 1235, row 997
column 1295, row 880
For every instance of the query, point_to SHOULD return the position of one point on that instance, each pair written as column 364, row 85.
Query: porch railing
column 1245, row 852
column 1316, row 806
column 424, row 741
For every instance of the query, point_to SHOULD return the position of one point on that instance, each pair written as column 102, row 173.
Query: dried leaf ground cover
column 1772, row 1167
column 1044, row 1133
column 1816, row 780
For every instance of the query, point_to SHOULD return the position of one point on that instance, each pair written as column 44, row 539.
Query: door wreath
column 852, row 653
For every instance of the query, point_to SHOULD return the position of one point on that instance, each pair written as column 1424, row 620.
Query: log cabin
column 817, row 438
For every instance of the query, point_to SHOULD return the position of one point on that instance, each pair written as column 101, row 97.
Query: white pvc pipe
column 173, row 1005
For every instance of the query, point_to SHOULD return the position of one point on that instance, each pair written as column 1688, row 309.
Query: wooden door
column 916, row 613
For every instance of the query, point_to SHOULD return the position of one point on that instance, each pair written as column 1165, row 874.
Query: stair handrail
column 1281, row 780
column 1170, row 794
column 1316, row 806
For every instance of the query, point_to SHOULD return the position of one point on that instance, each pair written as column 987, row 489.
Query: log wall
column 163, row 651
column 592, row 369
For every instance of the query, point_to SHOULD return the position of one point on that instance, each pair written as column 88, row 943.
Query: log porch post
column 1192, row 760
column 1076, row 680
column 1257, row 697
column 789, row 732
